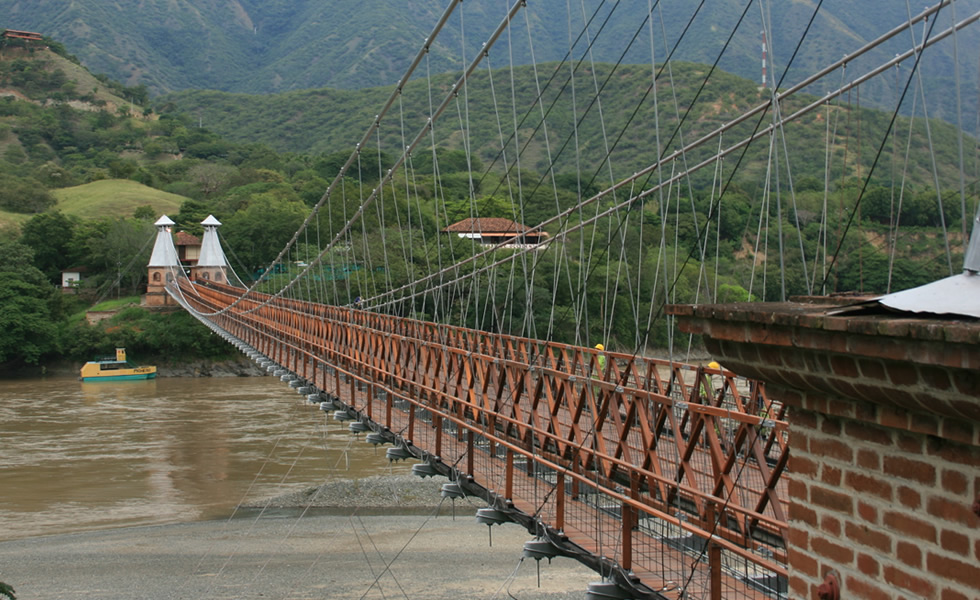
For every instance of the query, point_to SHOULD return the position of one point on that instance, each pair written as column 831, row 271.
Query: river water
column 81, row 456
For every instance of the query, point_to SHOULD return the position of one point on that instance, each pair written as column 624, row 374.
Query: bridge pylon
column 161, row 269
column 212, row 264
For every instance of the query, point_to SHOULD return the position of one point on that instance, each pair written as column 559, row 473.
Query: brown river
column 81, row 456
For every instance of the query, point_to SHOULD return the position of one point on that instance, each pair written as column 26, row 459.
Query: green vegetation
column 163, row 338
column 321, row 121
column 116, row 303
column 112, row 197
column 275, row 46
column 39, row 323
column 30, row 308
column 84, row 182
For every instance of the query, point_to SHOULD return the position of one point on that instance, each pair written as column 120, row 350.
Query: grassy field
column 100, row 199
column 85, row 83
column 112, row 198
column 10, row 223
column 113, row 304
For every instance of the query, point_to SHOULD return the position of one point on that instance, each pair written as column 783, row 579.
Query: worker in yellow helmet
column 706, row 390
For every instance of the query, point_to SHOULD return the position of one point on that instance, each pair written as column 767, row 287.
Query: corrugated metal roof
column 956, row 295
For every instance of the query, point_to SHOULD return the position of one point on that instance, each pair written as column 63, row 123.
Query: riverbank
column 235, row 367
column 394, row 493
column 239, row 366
column 284, row 547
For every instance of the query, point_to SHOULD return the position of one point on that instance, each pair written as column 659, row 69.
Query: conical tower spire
column 164, row 265
column 212, row 265
column 164, row 252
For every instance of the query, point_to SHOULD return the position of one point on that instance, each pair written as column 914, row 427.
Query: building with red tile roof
column 188, row 248
column 493, row 231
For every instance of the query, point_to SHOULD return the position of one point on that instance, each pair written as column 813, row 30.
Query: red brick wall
column 889, row 508
column 884, row 441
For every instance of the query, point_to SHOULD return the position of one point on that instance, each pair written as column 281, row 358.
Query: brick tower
column 163, row 266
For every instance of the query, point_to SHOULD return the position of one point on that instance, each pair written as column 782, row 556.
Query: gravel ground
column 271, row 551
column 401, row 493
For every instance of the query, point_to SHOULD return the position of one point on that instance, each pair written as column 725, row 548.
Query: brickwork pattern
column 890, row 509
column 885, row 443
column 911, row 364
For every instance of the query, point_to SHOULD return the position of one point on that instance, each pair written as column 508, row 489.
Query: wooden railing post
column 560, row 502
column 627, row 531
column 389, row 406
column 437, row 423
column 714, row 555
column 509, row 485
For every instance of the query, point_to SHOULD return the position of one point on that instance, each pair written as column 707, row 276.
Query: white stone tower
column 212, row 265
column 163, row 266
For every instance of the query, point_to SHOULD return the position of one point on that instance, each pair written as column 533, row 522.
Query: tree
column 117, row 247
column 211, row 178
column 728, row 293
column 144, row 213
column 24, row 195
column 372, row 165
column 448, row 161
column 878, row 205
column 191, row 213
column 27, row 329
column 259, row 232
column 49, row 235
column 238, row 198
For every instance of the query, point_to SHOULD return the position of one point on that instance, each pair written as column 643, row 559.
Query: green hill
column 82, row 144
column 40, row 74
column 254, row 46
column 10, row 223
column 328, row 120
column 114, row 198
column 262, row 46
column 64, row 146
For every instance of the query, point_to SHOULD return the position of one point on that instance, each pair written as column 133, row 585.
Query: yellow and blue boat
column 116, row 369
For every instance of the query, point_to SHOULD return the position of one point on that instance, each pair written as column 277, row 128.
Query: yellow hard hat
column 713, row 365
column 600, row 347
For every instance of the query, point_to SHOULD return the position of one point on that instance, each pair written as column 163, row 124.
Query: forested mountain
column 67, row 138
column 327, row 120
column 263, row 46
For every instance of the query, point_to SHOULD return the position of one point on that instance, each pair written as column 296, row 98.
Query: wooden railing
column 659, row 464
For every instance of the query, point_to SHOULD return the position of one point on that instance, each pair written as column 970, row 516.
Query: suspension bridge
column 472, row 347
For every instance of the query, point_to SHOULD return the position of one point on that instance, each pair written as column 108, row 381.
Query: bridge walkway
column 631, row 470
